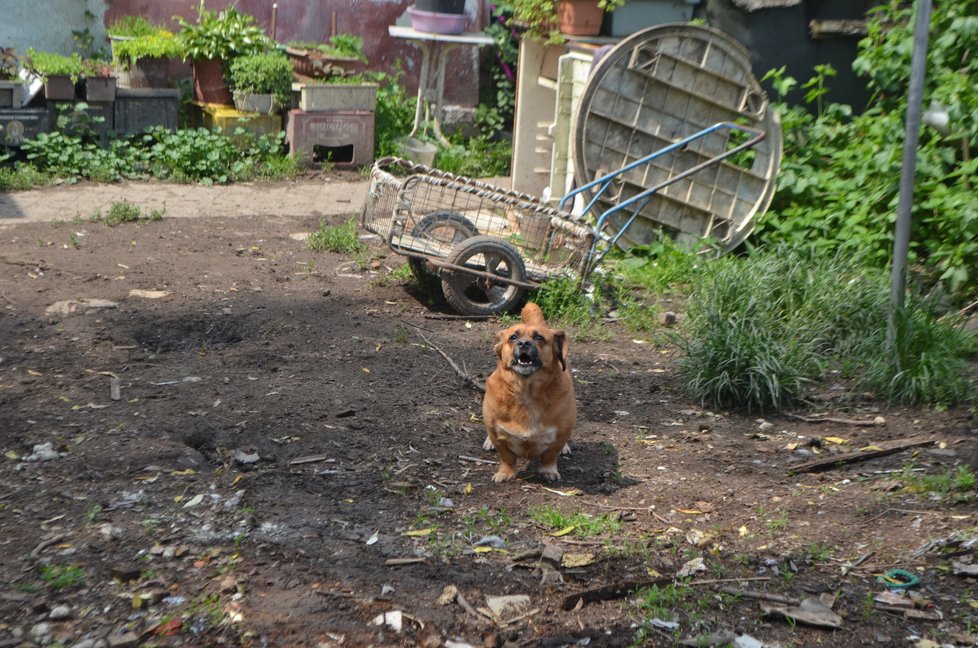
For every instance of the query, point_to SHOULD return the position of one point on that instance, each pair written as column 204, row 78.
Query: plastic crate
column 228, row 120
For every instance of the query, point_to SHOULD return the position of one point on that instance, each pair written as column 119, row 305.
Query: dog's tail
column 532, row 315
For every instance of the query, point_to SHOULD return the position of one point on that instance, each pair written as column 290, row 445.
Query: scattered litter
column 43, row 452
column 188, row 379
column 374, row 538
column 898, row 579
column 515, row 604
column 663, row 625
column 149, row 294
column 243, row 457
column 964, row 569
column 395, row 562
column 493, row 541
column 78, row 306
column 571, row 560
column 310, row 459
column 694, row 566
column 810, row 611
column 194, row 501
column 448, row 595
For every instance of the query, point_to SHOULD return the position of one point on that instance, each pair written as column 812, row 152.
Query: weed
column 94, row 508
column 776, row 525
column 62, row 577
column 584, row 525
column 819, row 553
column 958, row 483
column 341, row 238
column 662, row 602
column 74, row 241
column 562, row 301
column 486, row 522
column 22, row 177
column 122, row 211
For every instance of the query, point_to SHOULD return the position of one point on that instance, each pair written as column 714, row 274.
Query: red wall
column 314, row 20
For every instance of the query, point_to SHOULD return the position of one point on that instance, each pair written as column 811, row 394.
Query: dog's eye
column 513, row 337
column 537, row 337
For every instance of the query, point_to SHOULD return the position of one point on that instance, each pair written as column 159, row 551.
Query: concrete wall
column 46, row 25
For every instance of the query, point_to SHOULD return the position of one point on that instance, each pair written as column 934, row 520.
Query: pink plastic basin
column 438, row 23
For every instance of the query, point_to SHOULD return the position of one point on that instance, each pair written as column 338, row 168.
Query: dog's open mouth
column 525, row 361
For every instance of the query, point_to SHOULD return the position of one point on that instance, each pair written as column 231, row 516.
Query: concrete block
column 137, row 109
column 17, row 125
column 345, row 138
column 335, row 97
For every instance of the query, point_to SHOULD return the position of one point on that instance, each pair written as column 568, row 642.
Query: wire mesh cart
column 486, row 246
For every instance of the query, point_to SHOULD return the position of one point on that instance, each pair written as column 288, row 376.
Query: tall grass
column 760, row 330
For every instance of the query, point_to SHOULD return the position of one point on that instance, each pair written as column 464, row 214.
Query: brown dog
column 529, row 407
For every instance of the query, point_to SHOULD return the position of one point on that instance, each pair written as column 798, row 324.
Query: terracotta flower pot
column 210, row 86
column 579, row 17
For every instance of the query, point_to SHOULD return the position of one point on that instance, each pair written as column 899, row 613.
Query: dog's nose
column 524, row 345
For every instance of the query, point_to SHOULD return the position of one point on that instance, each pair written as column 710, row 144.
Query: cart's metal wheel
column 445, row 227
column 475, row 294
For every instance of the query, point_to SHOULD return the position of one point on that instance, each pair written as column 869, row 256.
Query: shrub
column 221, row 35
column 266, row 73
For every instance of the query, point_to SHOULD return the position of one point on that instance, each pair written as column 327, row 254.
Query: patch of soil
column 287, row 462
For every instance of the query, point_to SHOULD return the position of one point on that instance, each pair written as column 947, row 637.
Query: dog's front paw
column 566, row 449
column 487, row 445
column 503, row 475
column 549, row 473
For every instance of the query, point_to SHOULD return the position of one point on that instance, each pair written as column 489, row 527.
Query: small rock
column 244, row 457
column 78, row 306
column 43, row 452
column 493, row 541
column 41, row 632
column 669, row 319
column 85, row 643
column 764, row 426
column 448, row 595
column 507, row 605
column 59, row 612
column 122, row 639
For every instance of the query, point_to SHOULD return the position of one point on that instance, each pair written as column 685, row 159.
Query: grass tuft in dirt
column 341, row 238
column 63, row 576
column 581, row 524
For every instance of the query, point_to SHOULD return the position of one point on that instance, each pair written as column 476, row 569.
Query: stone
column 59, row 612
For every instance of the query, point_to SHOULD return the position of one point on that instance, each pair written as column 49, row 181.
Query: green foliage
column 662, row 602
column 21, row 177
column 839, row 180
column 959, row 483
column 342, row 238
column 496, row 111
column 74, row 152
column 123, row 211
column 221, row 35
column 9, row 64
column 161, row 44
column 394, row 114
column 47, row 64
column 758, row 331
column 63, row 576
column 661, row 266
column 266, row 73
column 561, row 301
column 132, row 27
column 477, row 157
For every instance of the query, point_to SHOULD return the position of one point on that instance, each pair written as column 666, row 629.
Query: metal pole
column 901, row 241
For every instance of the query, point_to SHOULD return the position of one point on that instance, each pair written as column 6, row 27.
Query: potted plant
column 100, row 80
column 212, row 42
column 340, row 55
column 11, row 85
column 550, row 20
column 261, row 83
column 58, row 72
column 142, row 52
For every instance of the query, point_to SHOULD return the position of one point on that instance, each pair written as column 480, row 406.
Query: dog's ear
column 560, row 348
column 531, row 315
column 497, row 344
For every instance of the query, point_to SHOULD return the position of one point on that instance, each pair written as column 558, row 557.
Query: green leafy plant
column 264, row 73
column 48, row 64
column 539, row 17
column 221, row 35
column 132, row 27
column 394, row 113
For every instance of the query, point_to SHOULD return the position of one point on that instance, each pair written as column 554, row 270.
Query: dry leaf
column 563, row 532
column 577, row 559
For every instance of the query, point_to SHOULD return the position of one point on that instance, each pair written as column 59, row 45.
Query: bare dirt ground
column 251, row 444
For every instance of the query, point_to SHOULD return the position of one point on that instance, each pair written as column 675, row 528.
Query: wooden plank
column 880, row 450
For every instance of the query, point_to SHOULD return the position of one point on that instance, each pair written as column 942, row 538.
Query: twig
column 475, row 459
column 644, row 509
column 464, row 376
column 44, row 544
column 661, row 519
column 716, row 581
column 760, row 596
column 884, row 449
column 468, row 607
column 850, row 566
column 830, row 419
column 519, row 618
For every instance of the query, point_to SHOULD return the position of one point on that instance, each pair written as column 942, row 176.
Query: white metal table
column 431, row 82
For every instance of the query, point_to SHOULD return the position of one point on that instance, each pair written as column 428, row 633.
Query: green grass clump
column 760, row 330
column 341, row 238
column 959, row 483
column 62, row 577
column 561, row 301
column 585, row 525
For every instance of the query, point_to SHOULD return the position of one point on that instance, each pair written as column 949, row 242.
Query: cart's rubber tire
column 458, row 229
column 474, row 295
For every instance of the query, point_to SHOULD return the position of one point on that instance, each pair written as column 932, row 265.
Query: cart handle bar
column 646, row 195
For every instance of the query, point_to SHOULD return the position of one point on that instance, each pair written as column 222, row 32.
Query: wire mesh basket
column 427, row 215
